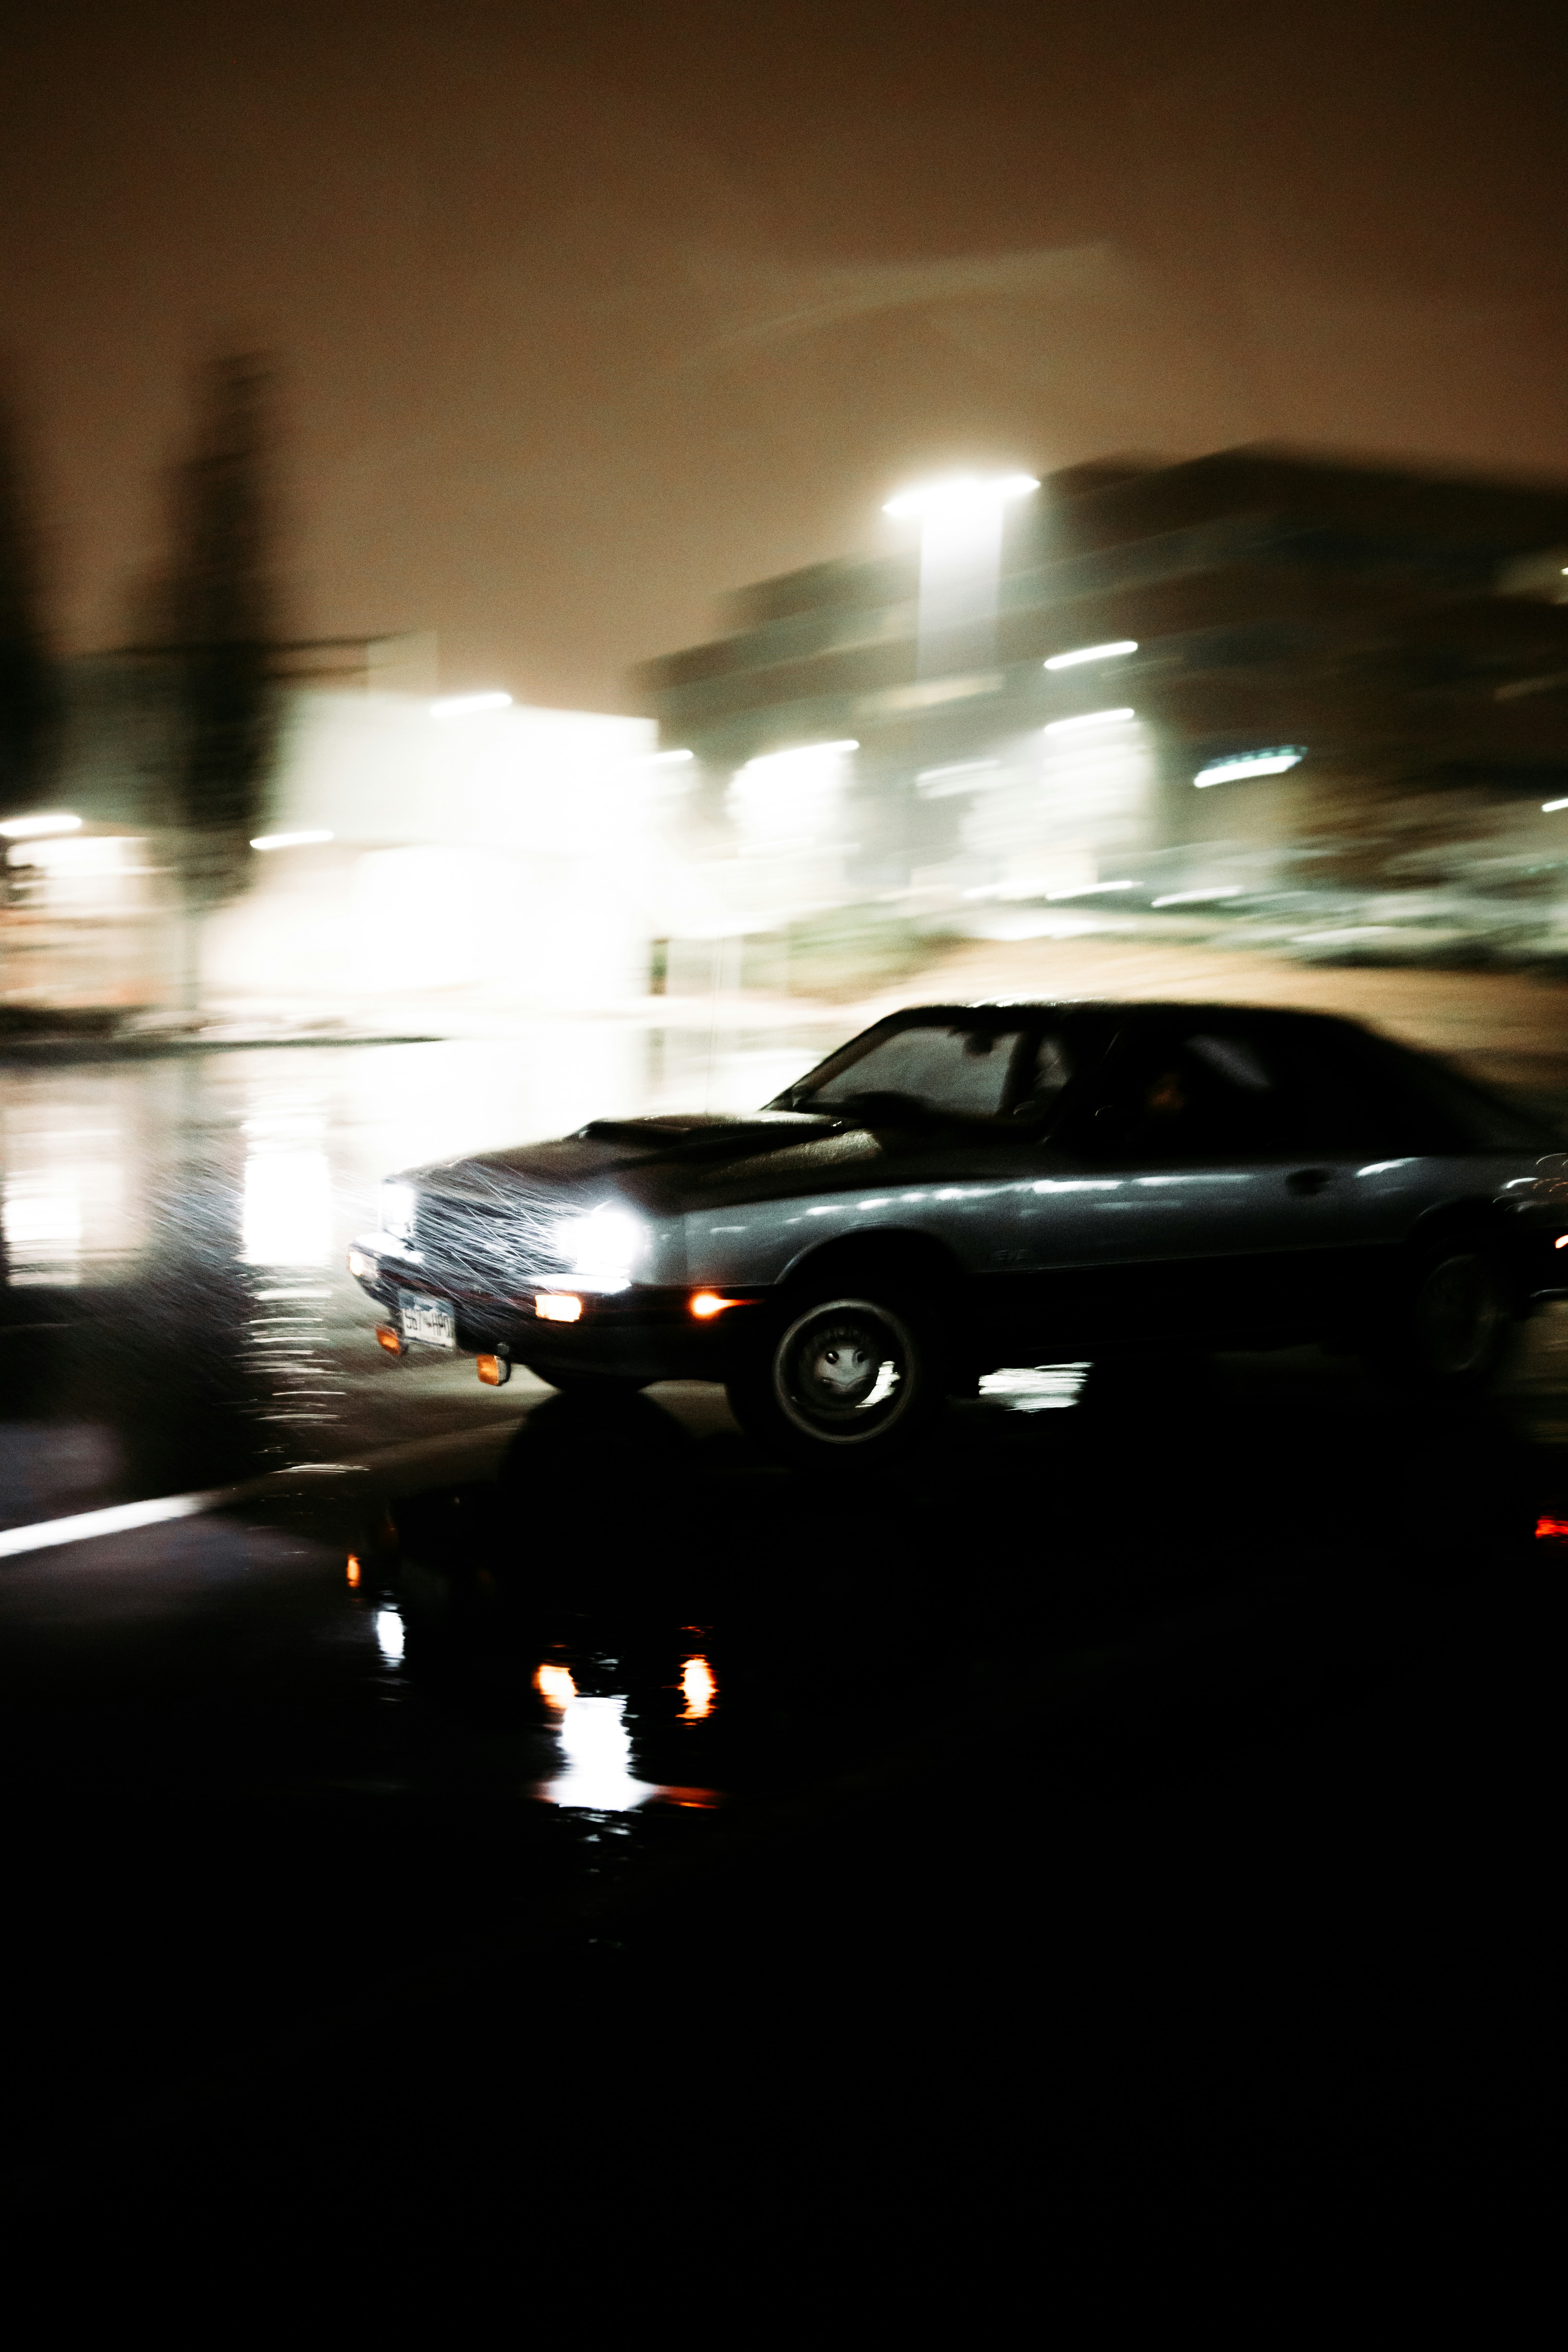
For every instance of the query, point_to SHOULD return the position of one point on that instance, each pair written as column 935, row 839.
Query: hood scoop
column 760, row 1130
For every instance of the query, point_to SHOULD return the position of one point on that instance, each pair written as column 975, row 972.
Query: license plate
column 434, row 1320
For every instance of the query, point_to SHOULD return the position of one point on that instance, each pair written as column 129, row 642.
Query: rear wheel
column 844, row 1379
column 1454, row 1318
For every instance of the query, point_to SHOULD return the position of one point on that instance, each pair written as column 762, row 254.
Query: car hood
column 661, row 1162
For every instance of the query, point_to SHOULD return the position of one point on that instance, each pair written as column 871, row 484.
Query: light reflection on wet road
column 480, row 1655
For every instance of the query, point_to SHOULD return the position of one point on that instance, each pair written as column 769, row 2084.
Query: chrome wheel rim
column 1458, row 1313
column 845, row 1372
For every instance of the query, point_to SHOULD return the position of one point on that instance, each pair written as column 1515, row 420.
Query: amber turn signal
column 558, row 1306
column 389, row 1336
column 494, row 1370
column 706, row 1303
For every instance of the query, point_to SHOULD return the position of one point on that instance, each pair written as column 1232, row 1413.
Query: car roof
column 1006, row 1007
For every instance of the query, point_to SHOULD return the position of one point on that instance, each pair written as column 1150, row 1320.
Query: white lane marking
column 113, row 1521
column 120, row 1517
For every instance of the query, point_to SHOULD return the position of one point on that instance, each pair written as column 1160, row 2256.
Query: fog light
column 558, row 1306
column 389, row 1336
column 359, row 1265
column 706, row 1303
column 494, row 1370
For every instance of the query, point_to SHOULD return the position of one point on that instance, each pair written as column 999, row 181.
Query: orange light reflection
column 554, row 1684
column 354, row 1571
column 700, row 1688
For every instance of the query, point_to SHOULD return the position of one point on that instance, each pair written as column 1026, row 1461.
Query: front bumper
column 646, row 1331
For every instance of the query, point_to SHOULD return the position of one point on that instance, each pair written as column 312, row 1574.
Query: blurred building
column 1341, row 720
column 411, row 846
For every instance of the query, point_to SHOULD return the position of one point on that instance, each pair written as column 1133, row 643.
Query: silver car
column 964, row 1188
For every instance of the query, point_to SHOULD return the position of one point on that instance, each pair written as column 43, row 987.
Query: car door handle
column 1308, row 1180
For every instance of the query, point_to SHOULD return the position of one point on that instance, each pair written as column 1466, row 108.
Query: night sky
column 589, row 311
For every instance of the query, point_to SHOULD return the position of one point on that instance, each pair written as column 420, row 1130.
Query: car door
column 1394, row 1135
column 1174, row 1195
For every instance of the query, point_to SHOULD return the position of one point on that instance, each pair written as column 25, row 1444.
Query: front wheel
column 838, row 1380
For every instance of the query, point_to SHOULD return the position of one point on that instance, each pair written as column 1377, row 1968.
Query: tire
column 1455, row 1318
column 849, row 1378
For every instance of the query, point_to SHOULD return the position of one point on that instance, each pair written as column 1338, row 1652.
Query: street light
column 961, row 564
column 959, row 494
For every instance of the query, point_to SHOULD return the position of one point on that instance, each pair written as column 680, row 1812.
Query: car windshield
column 947, row 1069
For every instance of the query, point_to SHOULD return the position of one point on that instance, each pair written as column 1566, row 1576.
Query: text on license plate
column 430, row 1319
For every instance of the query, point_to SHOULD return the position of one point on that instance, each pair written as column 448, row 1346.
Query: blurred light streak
column 1250, row 763
column 1088, row 718
column 705, row 1304
column 769, row 760
column 667, row 758
column 1547, row 807
column 1197, row 897
column 464, row 706
column 936, row 783
column 389, row 1635
column 698, row 1686
column 287, row 840
column 1549, row 1530
column 1034, row 1388
column 46, row 821
column 1112, row 652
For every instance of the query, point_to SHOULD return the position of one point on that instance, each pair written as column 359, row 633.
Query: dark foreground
column 1164, row 1780
column 1146, row 1797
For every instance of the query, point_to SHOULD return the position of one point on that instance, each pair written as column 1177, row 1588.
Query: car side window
column 1172, row 1095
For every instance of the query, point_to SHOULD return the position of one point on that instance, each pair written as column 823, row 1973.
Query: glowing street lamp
column 959, row 494
column 960, row 517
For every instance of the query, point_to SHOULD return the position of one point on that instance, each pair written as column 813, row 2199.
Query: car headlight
column 397, row 1207
column 605, row 1245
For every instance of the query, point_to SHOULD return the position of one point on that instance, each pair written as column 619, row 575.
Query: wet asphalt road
column 500, row 1789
